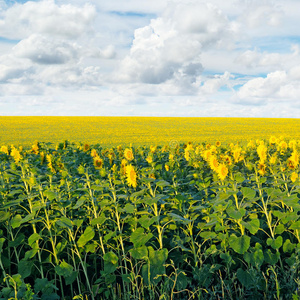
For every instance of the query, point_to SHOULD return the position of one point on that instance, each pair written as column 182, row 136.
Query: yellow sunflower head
column 131, row 176
column 222, row 171
column 294, row 176
column 128, row 154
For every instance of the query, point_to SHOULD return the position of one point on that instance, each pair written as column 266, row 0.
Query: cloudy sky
column 190, row 58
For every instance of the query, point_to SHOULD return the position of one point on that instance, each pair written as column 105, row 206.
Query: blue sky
column 188, row 58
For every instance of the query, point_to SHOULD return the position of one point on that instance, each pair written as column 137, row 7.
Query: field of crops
column 179, row 221
column 113, row 131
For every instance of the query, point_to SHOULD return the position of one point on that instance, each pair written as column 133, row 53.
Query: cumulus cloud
column 170, row 46
column 42, row 50
column 46, row 17
column 276, row 86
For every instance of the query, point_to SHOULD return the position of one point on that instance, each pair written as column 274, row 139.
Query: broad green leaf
column 226, row 257
column 129, row 208
column 155, row 265
column 70, row 279
column 33, row 238
column 239, row 244
column 64, row 269
column 239, row 177
column 139, row 253
column 4, row 216
column 270, row 257
column 288, row 246
column 248, row 193
column 236, row 214
column 252, row 226
column 88, row 234
column 208, row 235
column 24, row 267
column 111, row 257
column 162, row 183
column 255, row 258
column 98, row 221
column 295, row 225
column 275, row 243
column 244, row 278
column 50, row 195
column 146, row 222
column 16, row 221
column 139, row 238
column 64, row 222
column 19, row 240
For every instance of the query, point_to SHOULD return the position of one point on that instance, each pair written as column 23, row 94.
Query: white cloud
column 43, row 50
column 171, row 45
column 45, row 17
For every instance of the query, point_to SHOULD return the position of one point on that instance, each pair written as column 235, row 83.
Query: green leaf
column 4, row 216
column 146, row 222
column 50, row 195
column 255, row 258
column 239, row 177
column 155, row 265
column 111, row 257
column 248, row 193
column 24, row 267
column 18, row 241
column 64, row 269
column 16, row 221
column 98, row 221
column 2, row 240
column 239, row 244
column 33, row 238
column 139, row 253
column 252, row 226
column 288, row 246
column 139, row 238
column 275, row 243
column 162, row 183
column 65, row 223
column 270, row 257
column 295, row 225
column 70, row 279
column 244, row 278
column 129, row 208
column 236, row 214
column 88, row 234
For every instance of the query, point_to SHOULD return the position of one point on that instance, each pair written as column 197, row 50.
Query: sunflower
column 273, row 159
column 35, row 149
column 213, row 163
column 94, row 153
column 86, row 147
column 222, row 171
column 272, row 140
column 294, row 176
column 98, row 162
column 128, row 154
column 149, row 159
column 186, row 154
column 4, row 149
column 227, row 160
column 16, row 155
column 261, row 168
column 294, row 158
column 131, row 176
column 218, row 143
column 262, row 152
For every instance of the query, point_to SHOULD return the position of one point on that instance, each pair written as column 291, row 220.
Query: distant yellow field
column 112, row 131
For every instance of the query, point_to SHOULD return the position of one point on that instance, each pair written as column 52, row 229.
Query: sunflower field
column 179, row 221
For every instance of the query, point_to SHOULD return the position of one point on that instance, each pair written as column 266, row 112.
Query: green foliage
column 72, row 231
